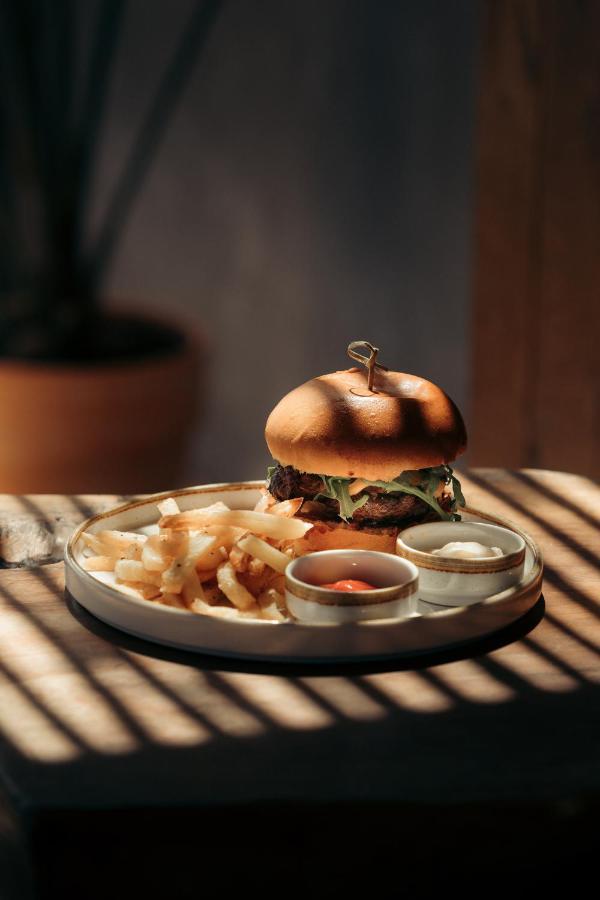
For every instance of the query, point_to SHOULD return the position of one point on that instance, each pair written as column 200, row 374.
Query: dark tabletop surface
column 104, row 733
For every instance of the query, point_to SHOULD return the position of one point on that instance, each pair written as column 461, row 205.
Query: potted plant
column 90, row 399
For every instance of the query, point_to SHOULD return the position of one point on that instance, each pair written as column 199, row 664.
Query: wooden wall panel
column 536, row 314
column 569, row 325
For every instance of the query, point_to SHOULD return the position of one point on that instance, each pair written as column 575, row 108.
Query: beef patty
column 381, row 508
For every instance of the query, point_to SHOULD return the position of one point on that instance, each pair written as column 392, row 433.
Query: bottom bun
column 343, row 536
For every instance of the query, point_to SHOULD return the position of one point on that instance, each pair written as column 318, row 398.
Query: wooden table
column 128, row 764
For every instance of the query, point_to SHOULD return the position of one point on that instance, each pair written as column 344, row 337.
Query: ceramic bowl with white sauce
column 394, row 592
column 460, row 563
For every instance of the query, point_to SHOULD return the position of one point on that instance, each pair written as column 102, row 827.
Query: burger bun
column 335, row 425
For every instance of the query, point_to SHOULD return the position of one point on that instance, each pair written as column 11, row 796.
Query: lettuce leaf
column 459, row 497
column 421, row 483
column 338, row 489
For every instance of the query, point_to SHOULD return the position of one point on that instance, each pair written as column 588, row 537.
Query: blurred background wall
column 535, row 377
column 314, row 187
column 423, row 175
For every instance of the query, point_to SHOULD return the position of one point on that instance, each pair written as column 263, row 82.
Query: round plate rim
column 526, row 589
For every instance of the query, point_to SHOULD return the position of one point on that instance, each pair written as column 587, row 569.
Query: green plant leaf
column 421, row 483
column 457, row 491
column 338, row 489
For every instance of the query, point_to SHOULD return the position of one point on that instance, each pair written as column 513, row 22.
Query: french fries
column 268, row 554
column 148, row 591
column 233, row 590
column 287, row 508
column 168, row 507
column 264, row 523
column 115, row 543
column 155, row 553
column 264, row 502
column 192, row 589
column 212, row 561
column 132, row 570
column 99, row 563
column 194, row 554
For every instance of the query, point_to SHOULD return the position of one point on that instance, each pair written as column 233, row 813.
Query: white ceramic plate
column 431, row 628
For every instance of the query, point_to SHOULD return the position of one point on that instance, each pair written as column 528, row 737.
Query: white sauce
column 467, row 550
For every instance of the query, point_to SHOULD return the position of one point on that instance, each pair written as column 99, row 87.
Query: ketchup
column 349, row 584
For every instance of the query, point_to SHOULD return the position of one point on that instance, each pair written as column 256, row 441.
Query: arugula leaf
column 421, row 483
column 338, row 489
column 403, row 484
column 457, row 491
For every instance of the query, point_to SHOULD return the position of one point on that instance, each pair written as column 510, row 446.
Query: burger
column 366, row 456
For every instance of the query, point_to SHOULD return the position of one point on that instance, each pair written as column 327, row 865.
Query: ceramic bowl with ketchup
column 337, row 586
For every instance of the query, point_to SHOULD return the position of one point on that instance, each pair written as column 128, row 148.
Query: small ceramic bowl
column 394, row 595
column 449, row 581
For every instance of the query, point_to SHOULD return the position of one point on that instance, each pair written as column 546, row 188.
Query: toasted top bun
column 333, row 425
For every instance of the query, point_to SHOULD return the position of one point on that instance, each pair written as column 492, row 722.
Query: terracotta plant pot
column 117, row 427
